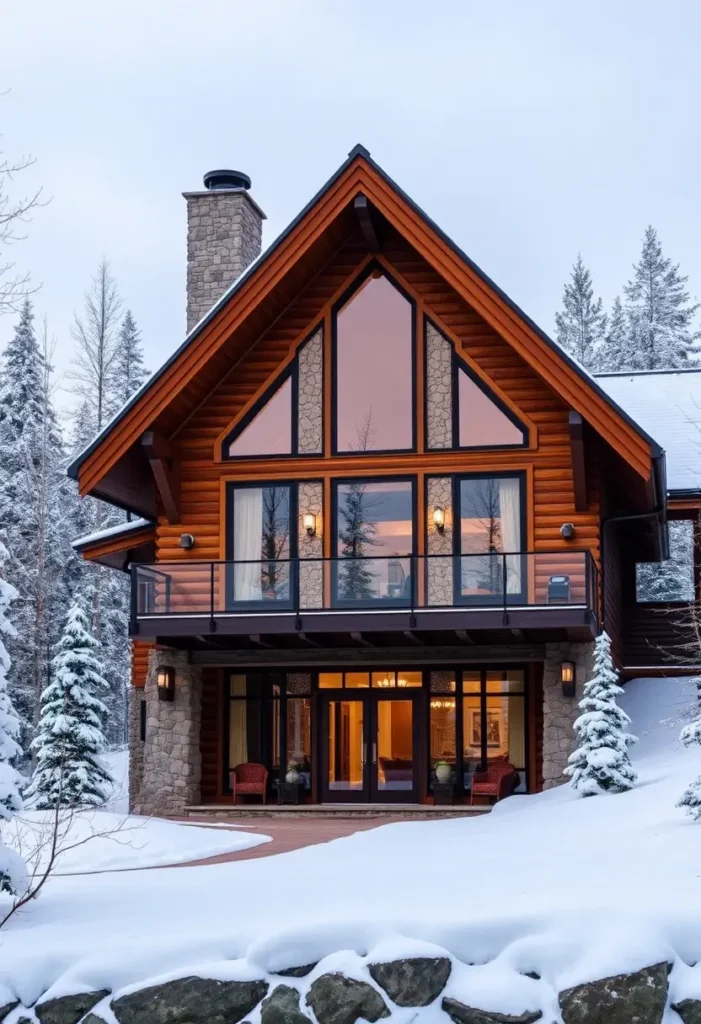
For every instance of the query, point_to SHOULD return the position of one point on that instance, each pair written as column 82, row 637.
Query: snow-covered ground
column 569, row 888
column 117, row 764
column 104, row 841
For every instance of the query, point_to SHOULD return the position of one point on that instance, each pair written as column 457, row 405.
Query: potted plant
column 444, row 771
column 292, row 775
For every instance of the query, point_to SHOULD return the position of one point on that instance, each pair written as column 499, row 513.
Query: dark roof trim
column 357, row 150
column 684, row 492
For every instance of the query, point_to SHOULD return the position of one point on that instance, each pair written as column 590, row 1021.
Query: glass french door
column 369, row 748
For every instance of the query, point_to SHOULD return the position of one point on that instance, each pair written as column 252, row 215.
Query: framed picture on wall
column 494, row 737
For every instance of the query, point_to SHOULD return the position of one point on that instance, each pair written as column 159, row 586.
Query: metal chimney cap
column 226, row 179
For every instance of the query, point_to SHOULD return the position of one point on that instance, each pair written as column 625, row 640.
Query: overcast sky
column 527, row 130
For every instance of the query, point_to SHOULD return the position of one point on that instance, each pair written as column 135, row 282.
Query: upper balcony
column 539, row 596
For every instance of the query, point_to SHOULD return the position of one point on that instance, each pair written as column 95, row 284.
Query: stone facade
column 439, row 389
column 311, row 576
column 440, row 570
column 310, row 362
column 560, row 712
column 136, row 744
column 224, row 236
column 171, row 752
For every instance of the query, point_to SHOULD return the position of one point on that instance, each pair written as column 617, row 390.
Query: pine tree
column 673, row 579
column 12, row 874
column 613, row 355
column 31, row 513
column 95, row 332
column 129, row 370
column 68, row 773
column 581, row 325
column 691, row 735
column 356, row 534
column 601, row 763
column 661, row 319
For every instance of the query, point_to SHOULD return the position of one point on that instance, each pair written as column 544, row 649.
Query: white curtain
column 248, row 542
column 510, row 511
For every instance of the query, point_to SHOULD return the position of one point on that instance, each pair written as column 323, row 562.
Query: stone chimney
column 224, row 232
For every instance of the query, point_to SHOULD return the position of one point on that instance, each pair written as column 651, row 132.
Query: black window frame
column 290, row 372
column 371, row 269
column 499, row 598
column 363, row 603
column 293, row 559
column 459, row 363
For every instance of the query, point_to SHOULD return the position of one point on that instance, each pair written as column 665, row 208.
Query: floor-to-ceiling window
column 374, row 541
column 490, row 537
column 262, row 544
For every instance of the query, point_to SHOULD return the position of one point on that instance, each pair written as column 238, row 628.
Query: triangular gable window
column 482, row 421
column 288, row 418
column 270, row 430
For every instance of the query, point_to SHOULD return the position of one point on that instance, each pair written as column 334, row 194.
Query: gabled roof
column 667, row 403
column 360, row 174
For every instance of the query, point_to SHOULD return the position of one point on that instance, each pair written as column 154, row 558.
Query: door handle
column 364, row 757
column 374, row 753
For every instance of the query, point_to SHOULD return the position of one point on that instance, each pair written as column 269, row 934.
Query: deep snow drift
column 570, row 888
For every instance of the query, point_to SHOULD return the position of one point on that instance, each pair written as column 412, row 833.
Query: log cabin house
column 376, row 516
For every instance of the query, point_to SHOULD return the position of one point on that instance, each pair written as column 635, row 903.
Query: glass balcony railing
column 542, row 579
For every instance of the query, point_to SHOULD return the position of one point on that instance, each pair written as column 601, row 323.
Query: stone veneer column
column 439, row 491
column 311, row 576
column 224, row 236
column 439, row 389
column 136, row 745
column 310, row 363
column 172, row 762
column 560, row 712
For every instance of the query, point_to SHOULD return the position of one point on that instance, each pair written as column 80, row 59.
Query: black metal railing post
column 212, row 621
column 412, row 590
column 295, row 573
column 587, row 586
column 133, row 601
column 503, row 588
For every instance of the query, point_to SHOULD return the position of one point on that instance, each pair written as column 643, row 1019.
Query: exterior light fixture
column 567, row 531
column 165, row 680
column 567, row 678
column 439, row 519
column 309, row 521
column 187, row 541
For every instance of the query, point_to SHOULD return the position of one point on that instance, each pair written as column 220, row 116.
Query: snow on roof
column 666, row 404
column 117, row 530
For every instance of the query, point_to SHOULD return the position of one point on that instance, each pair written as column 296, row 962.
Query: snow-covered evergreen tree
column 68, row 772
column 691, row 735
column 660, row 315
column 12, row 872
column 601, row 763
column 129, row 370
column 613, row 354
column 673, row 579
column 31, row 511
column 581, row 325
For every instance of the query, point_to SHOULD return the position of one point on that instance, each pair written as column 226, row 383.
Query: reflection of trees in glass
column 274, row 574
column 356, row 531
column 484, row 510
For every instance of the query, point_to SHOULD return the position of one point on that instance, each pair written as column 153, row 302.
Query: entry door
column 345, row 736
column 369, row 748
column 393, row 748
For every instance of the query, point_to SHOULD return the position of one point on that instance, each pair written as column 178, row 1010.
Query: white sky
column 527, row 130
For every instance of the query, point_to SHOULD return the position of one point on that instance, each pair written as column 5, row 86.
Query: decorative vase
column 292, row 776
column 444, row 772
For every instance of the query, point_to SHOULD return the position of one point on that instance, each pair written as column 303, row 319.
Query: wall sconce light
column 165, row 680
column 309, row 521
column 439, row 519
column 567, row 678
column 567, row 531
column 187, row 541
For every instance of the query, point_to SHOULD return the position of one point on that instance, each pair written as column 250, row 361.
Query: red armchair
column 249, row 779
column 495, row 782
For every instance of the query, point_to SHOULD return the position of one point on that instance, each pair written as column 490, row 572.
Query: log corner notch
column 368, row 220
column 164, row 460
column 579, row 470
